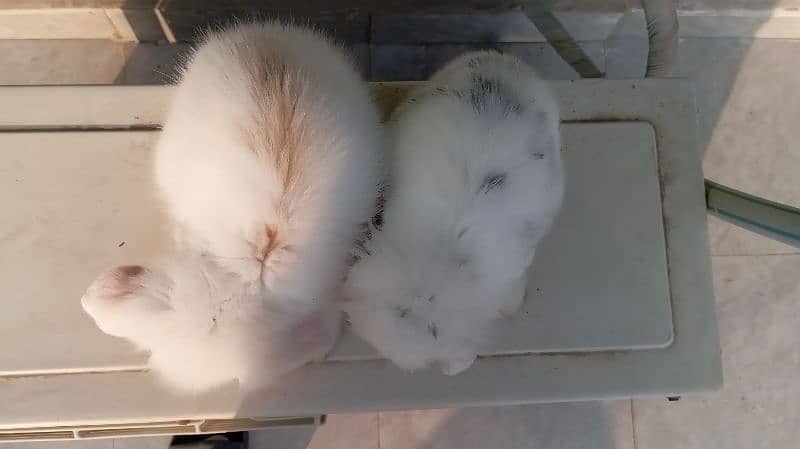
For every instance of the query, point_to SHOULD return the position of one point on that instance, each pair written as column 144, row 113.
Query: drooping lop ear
column 122, row 300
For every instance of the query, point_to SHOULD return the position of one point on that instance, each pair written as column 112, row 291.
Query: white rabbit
column 269, row 161
column 476, row 181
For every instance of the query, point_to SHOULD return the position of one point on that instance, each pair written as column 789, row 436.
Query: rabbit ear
column 123, row 299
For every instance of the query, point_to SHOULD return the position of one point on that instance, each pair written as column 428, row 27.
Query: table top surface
column 620, row 300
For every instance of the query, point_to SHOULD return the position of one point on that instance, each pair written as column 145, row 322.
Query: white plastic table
column 620, row 300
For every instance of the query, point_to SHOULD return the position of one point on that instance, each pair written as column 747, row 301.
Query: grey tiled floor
column 748, row 112
column 759, row 311
column 578, row 425
column 748, row 98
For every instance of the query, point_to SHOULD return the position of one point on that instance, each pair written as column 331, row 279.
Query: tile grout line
column 633, row 426
column 794, row 253
column 379, row 430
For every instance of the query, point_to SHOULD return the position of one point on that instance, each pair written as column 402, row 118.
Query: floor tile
column 390, row 62
column 188, row 24
column 596, row 425
column 738, row 4
column 285, row 438
column 91, row 61
column 593, row 5
column 506, row 26
column 419, row 62
column 761, row 24
column 758, row 309
column 347, row 432
column 477, row 26
column 61, row 61
column 549, row 64
column 140, row 25
column 152, row 63
column 747, row 124
column 626, row 58
column 159, row 442
column 358, row 431
column 82, row 444
column 56, row 24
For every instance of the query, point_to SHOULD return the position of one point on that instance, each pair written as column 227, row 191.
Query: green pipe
column 774, row 220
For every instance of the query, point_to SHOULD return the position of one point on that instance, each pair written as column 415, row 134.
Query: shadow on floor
column 596, row 425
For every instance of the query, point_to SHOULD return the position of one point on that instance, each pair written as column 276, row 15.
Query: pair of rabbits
column 269, row 164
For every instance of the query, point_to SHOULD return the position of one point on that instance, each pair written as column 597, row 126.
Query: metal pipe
column 540, row 12
column 662, row 32
column 768, row 218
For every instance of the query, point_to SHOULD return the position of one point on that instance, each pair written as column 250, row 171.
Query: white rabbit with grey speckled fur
column 476, row 182
column 269, row 160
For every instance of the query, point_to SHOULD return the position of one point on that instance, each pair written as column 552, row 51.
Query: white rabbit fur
column 476, row 181
column 269, row 160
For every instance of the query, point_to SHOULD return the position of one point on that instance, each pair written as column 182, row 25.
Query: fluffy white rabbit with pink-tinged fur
column 269, row 160
column 476, row 181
